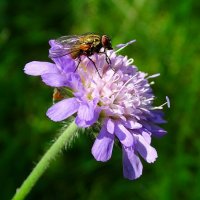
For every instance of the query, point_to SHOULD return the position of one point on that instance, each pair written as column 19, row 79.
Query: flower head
column 121, row 101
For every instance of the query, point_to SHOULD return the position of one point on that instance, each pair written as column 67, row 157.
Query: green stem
column 43, row 164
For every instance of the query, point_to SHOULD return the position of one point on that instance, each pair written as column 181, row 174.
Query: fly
column 78, row 45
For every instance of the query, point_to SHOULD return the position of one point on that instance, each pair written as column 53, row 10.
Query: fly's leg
column 94, row 66
column 107, row 59
column 79, row 61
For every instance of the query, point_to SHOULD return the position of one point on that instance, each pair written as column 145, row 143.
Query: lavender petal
column 145, row 150
column 123, row 135
column 132, row 166
column 55, row 80
column 86, row 111
column 103, row 145
column 84, row 123
column 65, row 63
column 110, row 125
column 132, row 124
column 36, row 68
column 63, row 109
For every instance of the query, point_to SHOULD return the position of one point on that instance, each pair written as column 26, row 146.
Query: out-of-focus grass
column 167, row 34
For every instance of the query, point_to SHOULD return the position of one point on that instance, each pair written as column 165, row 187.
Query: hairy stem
column 45, row 161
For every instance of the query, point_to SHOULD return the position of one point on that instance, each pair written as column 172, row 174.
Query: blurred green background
column 168, row 41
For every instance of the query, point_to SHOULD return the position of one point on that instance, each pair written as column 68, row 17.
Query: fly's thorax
column 92, row 39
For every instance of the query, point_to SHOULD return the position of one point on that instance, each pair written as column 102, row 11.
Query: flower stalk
column 43, row 164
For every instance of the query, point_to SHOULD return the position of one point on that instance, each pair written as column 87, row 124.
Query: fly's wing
column 64, row 45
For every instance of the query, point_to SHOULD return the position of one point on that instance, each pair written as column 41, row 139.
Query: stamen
column 149, row 99
column 161, row 106
column 123, row 86
column 153, row 76
column 117, row 77
column 122, row 46
column 130, row 61
column 168, row 101
column 152, row 83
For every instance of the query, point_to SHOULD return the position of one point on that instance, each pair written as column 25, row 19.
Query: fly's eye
column 106, row 42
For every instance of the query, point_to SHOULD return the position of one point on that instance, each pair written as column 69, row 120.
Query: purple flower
column 121, row 101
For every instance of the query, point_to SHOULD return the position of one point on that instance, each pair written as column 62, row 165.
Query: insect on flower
column 120, row 105
column 78, row 45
